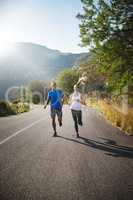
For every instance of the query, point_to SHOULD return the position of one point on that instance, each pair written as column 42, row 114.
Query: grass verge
column 124, row 121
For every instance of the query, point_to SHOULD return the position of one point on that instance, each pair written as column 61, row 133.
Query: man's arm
column 47, row 102
column 61, row 95
column 62, row 99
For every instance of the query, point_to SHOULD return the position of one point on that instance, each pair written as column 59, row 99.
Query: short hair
column 53, row 84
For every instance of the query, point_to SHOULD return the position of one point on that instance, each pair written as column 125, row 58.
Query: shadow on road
column 110, row 147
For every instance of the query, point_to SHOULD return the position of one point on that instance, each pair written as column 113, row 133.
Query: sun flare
column 5, row 47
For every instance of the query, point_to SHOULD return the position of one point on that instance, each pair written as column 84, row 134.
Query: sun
column 5, row 47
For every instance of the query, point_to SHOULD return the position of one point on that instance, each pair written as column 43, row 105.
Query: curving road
column 36, row 166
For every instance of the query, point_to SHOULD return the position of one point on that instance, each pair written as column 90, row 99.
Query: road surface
column 36, row 166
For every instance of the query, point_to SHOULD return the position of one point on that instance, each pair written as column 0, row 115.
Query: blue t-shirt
column 55, row 97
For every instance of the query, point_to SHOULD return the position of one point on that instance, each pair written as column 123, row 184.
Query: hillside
column 27, row 61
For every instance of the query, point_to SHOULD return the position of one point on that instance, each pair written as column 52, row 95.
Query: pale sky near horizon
column 46, row 22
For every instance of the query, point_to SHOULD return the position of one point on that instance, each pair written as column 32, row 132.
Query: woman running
column 76, row 111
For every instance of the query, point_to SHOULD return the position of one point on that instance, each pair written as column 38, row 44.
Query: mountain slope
column 27, row 61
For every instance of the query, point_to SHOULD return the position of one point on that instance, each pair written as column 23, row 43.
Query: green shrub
column 5, row 109
column 13, row 108
column 23, row 107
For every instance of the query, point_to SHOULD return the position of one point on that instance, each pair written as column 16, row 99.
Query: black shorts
column 55, row 112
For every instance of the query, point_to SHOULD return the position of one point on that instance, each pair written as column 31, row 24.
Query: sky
column 51, row 23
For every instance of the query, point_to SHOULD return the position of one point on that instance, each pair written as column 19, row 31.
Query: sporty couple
column 55, row 98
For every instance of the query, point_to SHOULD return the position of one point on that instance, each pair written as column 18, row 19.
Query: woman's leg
column 74, row 115
column 79, row 115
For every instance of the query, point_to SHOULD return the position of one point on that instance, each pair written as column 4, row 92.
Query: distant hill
column 28, row 61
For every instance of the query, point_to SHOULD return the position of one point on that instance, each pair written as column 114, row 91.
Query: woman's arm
column 82, row 101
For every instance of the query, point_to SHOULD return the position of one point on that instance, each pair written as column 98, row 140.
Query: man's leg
column 53, row 115
column 74, row 115
column 54, row 126
column 59, row 115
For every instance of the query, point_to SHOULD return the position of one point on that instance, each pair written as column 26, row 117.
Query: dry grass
column 117, row 118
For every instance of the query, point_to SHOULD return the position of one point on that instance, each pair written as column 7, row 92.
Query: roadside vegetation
column 20, row 99
column 106, row 29
column 66, row 80
column 13, row 108
column 38, row 91
column 113, row 114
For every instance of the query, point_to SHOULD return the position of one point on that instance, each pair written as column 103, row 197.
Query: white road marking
column 20, row 131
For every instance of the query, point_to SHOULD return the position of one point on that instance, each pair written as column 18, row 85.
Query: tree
column 95, row 81
column 106, row 28
column 66, row 80
column 38, row 89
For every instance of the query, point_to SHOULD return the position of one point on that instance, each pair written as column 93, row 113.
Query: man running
column 55, row 97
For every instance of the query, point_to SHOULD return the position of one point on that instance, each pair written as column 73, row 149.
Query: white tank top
column 75, row 104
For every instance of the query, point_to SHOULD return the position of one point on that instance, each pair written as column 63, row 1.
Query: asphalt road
column 34, row 165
